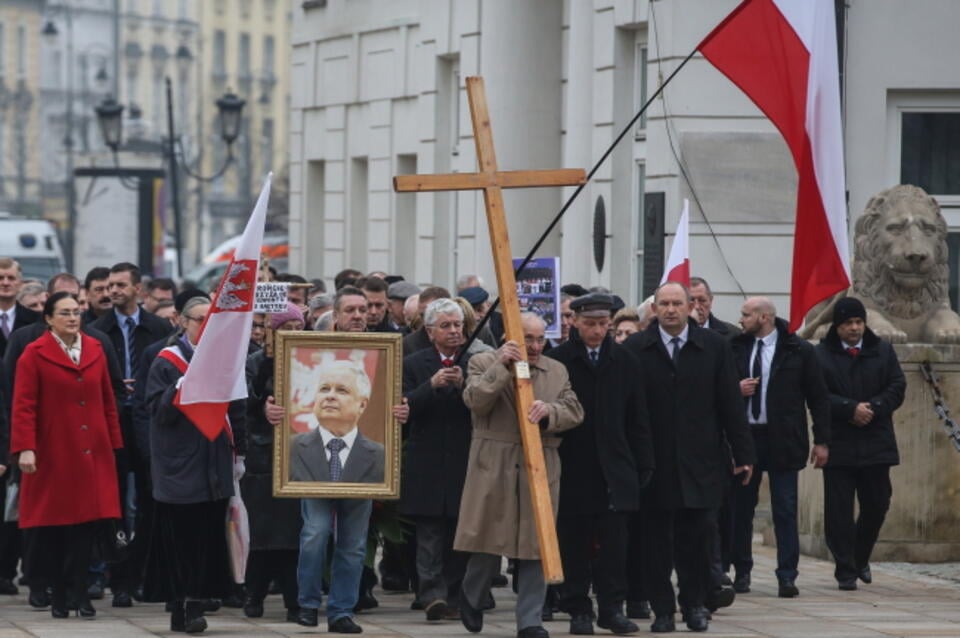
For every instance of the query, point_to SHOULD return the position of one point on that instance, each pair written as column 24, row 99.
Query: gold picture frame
column 323, row 375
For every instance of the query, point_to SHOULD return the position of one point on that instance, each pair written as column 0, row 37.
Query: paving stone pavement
column 900, row 602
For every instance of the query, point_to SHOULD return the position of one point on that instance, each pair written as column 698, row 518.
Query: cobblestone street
column 904, row 600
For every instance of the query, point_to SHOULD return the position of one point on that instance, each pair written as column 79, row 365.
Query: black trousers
column 58, row 557
column 851, row 541
column 606, row 567
column 10, row 545
column 637, row 540
column 127, row 575
column 264, row 565
column 687, row 535
column 440, row 568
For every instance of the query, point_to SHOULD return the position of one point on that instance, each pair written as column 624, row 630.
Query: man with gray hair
column 496, row 515
column 334, row 451
column 435, row 456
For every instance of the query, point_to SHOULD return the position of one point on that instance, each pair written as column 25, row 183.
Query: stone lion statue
column 900, row 271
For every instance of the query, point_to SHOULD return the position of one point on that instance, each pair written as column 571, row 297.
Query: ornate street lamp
column 110, row 117
column 231, row 110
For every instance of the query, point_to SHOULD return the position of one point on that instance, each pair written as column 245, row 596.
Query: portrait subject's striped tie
column 336, row 468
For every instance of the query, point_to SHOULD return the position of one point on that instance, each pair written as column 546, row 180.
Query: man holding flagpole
column 196, row 391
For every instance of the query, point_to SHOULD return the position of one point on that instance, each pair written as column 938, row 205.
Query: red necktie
column 853, row 352
column 446, row 363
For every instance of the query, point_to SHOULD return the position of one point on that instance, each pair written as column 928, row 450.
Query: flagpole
column 575, row 194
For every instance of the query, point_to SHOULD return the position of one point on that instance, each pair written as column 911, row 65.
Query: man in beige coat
column 496, row 516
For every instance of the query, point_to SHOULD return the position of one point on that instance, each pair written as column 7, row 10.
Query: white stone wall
column 378, row 90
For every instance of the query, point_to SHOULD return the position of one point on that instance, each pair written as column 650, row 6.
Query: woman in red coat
column 64, row 427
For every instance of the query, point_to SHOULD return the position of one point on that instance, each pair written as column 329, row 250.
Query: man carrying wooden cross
column 496, row 515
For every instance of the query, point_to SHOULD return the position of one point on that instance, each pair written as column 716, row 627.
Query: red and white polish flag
column 677, row 267
column 783, row 55
column 216, row 373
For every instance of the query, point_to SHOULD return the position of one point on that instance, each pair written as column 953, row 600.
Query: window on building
column 640, row 86
column 930, row 151
column 266, row 144
column 268, row 54
column 21, row 51
column 244, row 53
column 3, row 50
column 182, row 10
column 158, row 8
column 219, row 52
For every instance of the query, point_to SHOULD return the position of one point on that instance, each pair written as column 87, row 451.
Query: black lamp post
column 230, row 107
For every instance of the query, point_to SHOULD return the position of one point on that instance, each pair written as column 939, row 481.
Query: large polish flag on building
column 216, row 373
column 783, row 55
column 677, row 267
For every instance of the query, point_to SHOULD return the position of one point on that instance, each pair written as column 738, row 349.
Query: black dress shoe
column 725, row 581
column 344, row 625
column 533, row 632
column 86, row 610
column 39, row 598
column 617, row 623
column 416, row 605
column 194, row 622
column 848, row 585
column 696, row 619
column 471, row 618
column 211, row 605
column 663, row 625
column 122, row 599
column 7, row 588
column 437, row 610
column 741, row 584
column 720, row 598
column 639, row 609
column 292, row 614
column 253, row 608
column 307, row 617
column 499, row 581
column 58, row 611
column 581, row 625
column 95, row 591
column 787, row 589
column 865, row 575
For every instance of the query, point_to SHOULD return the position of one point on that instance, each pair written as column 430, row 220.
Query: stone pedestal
column 923, row 524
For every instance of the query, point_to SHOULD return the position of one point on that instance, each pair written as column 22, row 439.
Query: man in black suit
column 335, row 451
column 131, row 330
column 606, row 462
column 865, row 385
column 13, row 315
column 780, row 379
column 96, row 283
column 694, row 404
column 435, row 456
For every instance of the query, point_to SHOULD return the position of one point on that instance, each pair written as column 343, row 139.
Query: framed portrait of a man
column 339, row 438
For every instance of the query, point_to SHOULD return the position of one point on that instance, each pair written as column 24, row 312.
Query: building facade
column 378, row 90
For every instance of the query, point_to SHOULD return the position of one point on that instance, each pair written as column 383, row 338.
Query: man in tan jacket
column 496, row 516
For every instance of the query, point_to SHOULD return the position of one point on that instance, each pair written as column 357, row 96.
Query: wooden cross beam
column 492, row 181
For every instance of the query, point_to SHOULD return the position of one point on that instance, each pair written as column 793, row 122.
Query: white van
column 34, row 244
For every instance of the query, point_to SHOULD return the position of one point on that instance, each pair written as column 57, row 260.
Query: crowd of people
column 657, row 424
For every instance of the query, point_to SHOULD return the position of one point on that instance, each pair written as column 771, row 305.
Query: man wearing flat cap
column 492, row 333
column 397, row 294
column 606, row 462
column 866, row 385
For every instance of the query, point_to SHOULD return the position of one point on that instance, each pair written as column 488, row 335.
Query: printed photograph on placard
column 338, row 388
column 538, row 288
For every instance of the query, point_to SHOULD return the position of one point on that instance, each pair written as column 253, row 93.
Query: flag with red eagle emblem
column 216, row 376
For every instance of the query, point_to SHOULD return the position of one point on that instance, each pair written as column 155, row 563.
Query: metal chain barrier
column 940, row 405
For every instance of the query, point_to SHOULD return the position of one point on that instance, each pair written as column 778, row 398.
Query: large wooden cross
column 492, row 181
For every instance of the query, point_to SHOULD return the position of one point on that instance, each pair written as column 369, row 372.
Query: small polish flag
column 678, row 263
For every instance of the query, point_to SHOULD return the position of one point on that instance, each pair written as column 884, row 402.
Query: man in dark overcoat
column 865, row 385
column 694, row 403
column 780, row 379
column 606, row 462
column 435, row 457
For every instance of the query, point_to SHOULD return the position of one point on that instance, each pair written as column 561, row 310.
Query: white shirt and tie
column 668, row 340
column 348, row 439
column 766, row 359
column 7, row 318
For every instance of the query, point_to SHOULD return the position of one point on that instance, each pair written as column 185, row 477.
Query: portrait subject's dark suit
column 308, row 460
